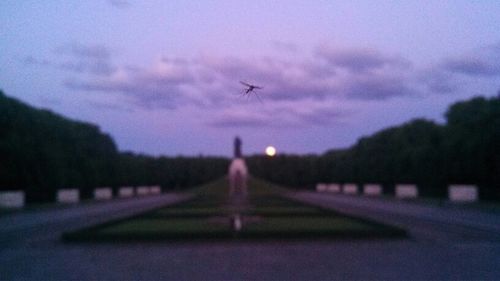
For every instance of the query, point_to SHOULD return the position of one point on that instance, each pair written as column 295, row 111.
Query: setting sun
column 270, row 151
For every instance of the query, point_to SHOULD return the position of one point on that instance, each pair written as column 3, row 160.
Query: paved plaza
column 444, row 243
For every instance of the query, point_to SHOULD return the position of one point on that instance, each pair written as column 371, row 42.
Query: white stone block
column 321, row 187
column 68, row 196
column 372, row 189
column 333, row 188
column 350, row 188
column 142, row 190
column 463, row 193
column 103, row 193
column 406, row 191
column 156, row 189
column 126, row 191
column 12, row 199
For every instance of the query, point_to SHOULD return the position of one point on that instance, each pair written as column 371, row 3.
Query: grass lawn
column 208, row 216
column 317, row 226
column 280, row 210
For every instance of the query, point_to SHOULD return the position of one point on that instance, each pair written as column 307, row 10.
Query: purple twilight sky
column 162, row 77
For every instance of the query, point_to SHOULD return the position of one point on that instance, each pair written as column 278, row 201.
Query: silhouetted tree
column 41, row 152
column 465, row 150
column 473, row 144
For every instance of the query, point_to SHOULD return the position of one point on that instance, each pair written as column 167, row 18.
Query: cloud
column 282, row 115
column 321, row 117
column 109, row 106
column 79, row 58
column 472, row 66
column 239, row 121
column 377, row 87
column 93, row 67
column 30, row 60
column 436, row 80
column 481, row 62
column 283, row 46
column 161, row 86
column 78, row 50
column 119, row 3
column 210, row 81
column 456, row 72
column 282, row 80
column 359, row 60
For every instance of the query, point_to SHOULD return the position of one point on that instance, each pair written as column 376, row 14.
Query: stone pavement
column 464, row 248
column 423, row 221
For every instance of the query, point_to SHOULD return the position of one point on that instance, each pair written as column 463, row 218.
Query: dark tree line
column 41, row 152
column 464, row 150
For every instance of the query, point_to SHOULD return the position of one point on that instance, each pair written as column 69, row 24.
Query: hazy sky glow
column 162, row 76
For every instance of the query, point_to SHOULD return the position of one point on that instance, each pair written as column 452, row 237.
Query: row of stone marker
column 16, row 199
column 456, row 193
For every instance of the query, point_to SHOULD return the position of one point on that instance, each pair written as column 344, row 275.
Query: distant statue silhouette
column 237, row 148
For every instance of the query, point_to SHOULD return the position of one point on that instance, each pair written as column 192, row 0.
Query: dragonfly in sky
column 251, row 89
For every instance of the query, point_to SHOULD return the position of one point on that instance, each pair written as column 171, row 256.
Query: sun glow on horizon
column 270, row 151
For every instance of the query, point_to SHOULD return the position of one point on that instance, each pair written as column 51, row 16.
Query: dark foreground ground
column 445, row 243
